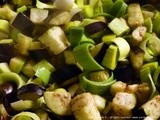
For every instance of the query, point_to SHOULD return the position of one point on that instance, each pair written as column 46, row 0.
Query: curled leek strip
column 85, row 59
column 123, row 47
column 28, row 114
column 95, row 87
column 156, row 76
column 13, row 77
column 147, row 56
column 42, row 5
column 146, row 77
column 150, row 45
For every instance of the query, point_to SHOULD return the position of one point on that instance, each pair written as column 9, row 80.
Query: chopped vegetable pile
column 79, row 59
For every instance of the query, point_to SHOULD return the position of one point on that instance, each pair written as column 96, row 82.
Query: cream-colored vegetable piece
column 55, row 39
column 84, row 107
column 118, row 86
column 64, row 4
column 152, row 107
column 38, row 16
column 123, row 103
column 60, row 19
column 135, row 16
column 58, row 101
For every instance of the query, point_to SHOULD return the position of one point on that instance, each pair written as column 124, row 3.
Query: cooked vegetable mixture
column 79, row 59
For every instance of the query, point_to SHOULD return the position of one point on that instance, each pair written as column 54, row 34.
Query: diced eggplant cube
column 23, row 24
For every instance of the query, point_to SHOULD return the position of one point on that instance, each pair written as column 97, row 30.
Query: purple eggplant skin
column 39, row 54
column 30, row 92
column 7, row 100
column 23, row 24
column 95, row 27
column 125, row 73
column 2, row 2
column 52, row 116
column 7, row 88
column 78, row 16
column 64, row 73
column 99, row 57
column 6, row 52
column 139, row 113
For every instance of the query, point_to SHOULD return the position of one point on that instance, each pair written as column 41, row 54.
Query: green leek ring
column 94, row 87
column 30, row 114
column 85, row 59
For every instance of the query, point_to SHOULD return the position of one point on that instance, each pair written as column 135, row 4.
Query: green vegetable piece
column 108, row 38
column 44, row 63
column 80, row 3
column 43, row 70
column 22, row 2
column 86, row 39
column 22, row 105
column 156, row 76
column 27, row 69
column 4, row 67
column 107, row 5
column 156, row 23
column 152, row 65
column 119, row 8
column 23, row 44
column 87, row 11
column 100, row 88
column 25, row 114
column 44, row 74
column 75, row 36
column 98, row 7
column 118, row 26
column 110, row 59
column 16, row 64
column 149, row 25
column 146, row 77
column 84, row 57
column 4, row 26
column 123, row 47
column 22, row 9
column 12, row 77
column 7, row 13
column 42, row 5
column 23, row 117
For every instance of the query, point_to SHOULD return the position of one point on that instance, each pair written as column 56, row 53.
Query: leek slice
column 156, row 24
column 156, row 77
column 42, row 5
column 84, row 57
column 4, row 26
column 146, row 77
column 118, row 26
column 100, row 88
column 123, row 47
column 75, row 36
column 119, row 8
column 148, row 23
column 107, row 5
column 28, row 114
column 110, row 59
column 13, row 77
column 150, row 45
column 147, row 56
